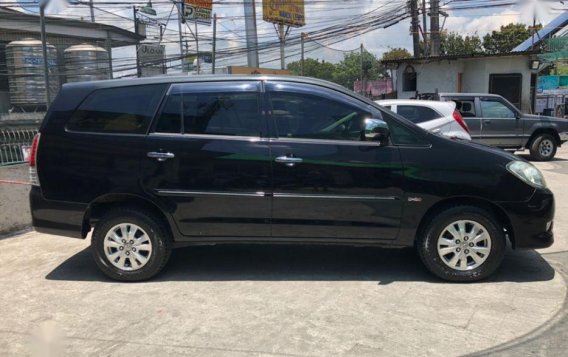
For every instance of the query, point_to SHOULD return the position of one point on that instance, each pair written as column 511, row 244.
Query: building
column 510, row 75
column 61, row 33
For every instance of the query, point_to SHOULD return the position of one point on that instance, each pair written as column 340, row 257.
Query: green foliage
column 396, row 53
column 349, row 69
column 507, row 38
column 313, row 68
column 345, row 72
column 454, row 44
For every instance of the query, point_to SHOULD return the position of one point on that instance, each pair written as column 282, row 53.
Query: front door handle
column 288, row 160
column 161, row 156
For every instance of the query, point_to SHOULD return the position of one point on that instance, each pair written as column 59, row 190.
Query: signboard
column 287, row 12
column 255, row 70
column 198, row 11
column 152, row 60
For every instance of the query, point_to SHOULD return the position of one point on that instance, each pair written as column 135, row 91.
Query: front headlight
column 527, row 173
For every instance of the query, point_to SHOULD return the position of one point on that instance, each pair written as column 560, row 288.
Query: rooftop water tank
column 86, row 62
column 24, row 59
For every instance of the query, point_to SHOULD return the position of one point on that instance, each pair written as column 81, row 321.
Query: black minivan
column 157, row 163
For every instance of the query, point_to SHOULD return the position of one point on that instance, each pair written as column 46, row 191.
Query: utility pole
column 137, row 46
column 425, row 28
column 303, row 36
column 363, row 89
column 92, row 9
column 251, row 33
column 44, row 52
column 214, row 43
column 197, row 48
column 282, row 37
column 180, row 20
column 414, row 27
column 435, row 27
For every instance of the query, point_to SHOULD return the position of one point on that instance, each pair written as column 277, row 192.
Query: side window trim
column 94, row 92
column 505, row 103
column 322, row 92
column 178, row 86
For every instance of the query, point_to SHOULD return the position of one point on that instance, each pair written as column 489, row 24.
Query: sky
column 319, row 14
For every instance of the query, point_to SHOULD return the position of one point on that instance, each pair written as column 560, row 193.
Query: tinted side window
column 466, row 107
column 417, row 114
column 401, row 135
column 495, row 109
column 213, row 109
column 299, row 115
column 118, row 110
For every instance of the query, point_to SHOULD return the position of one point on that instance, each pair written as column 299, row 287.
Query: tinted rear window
column 417, row 114
column 126, row 110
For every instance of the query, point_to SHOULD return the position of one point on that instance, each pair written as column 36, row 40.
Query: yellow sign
column 198, row 11
column 287, row 12
column 253, row 70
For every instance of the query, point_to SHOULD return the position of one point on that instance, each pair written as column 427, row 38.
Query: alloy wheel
column 464, row 245
column 127, row 246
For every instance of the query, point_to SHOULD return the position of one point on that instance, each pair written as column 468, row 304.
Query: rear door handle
column 161, row 156
column 289, row 161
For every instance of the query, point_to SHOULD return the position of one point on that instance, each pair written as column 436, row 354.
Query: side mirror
column 377, row 130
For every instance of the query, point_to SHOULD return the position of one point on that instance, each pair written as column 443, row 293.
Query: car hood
column 489, row 150
column 542, row 117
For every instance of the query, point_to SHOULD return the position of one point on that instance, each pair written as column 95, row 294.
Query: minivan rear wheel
column 543, row 148
column 462, row 243
column 130, row 244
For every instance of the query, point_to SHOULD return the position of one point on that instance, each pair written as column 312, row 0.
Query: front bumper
column 532, row 221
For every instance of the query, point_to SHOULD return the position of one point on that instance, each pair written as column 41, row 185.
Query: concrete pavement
column 279, row 300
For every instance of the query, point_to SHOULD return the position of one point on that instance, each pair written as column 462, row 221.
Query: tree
column 507, row 38
column 349, row 69
column 395, row 54
column 454, row 44
column 313, row 68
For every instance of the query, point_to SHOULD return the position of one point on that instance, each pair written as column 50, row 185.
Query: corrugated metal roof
column 547, row 31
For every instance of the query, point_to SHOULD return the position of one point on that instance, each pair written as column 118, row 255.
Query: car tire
column 448, row 251
column 129, row 244
column 543, row 148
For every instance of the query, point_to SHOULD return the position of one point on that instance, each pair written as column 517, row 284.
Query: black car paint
column 359, row 193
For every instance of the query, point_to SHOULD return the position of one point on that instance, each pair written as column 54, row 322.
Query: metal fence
column 15, row 144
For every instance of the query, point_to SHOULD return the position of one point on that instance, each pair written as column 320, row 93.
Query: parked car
column 493, row 120
column 435, row 116
column 157, row 163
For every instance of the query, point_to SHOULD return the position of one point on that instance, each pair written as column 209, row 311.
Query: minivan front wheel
column 130, row 245
column 543, row 148
column 462, row 243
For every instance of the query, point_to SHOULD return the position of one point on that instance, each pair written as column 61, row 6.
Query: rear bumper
column 56, row 217
column 532, row 221
column 563, row 136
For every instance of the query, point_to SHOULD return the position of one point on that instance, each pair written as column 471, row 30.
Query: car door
column 470, row 114
column 500, row 125
column 328, row 181
column 208, row 160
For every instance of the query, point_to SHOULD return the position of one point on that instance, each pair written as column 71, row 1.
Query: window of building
column 126, row 110
column 409, row 79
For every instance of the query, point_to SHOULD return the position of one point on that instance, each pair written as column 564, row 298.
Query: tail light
column 33, row 161
column 461, row 122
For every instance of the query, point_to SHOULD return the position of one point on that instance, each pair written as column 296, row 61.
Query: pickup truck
column 494, row 121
